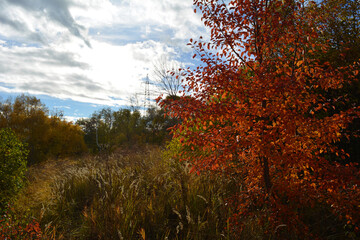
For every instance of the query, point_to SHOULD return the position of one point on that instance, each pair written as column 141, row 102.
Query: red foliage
column 13, row 228
column 256, row 109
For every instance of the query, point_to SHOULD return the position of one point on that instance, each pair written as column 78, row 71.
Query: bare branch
column 167, row 77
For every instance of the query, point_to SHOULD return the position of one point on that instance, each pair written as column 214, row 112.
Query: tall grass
column 134, row 196
column 148, row 195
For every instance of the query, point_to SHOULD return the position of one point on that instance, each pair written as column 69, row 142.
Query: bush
column 12, row 165
column 20, row 228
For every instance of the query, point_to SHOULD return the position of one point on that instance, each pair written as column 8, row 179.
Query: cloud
column 104, row 74
column 29, row 18
column 46, row 21
column 135, row 20
column 173, row 14
column 44, row 45
column 71, row 118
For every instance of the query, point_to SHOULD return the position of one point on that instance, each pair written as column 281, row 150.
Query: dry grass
column 129, row 195
column 40, row 177
column 143, row 194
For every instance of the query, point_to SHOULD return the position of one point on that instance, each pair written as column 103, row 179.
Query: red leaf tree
column 258, row 110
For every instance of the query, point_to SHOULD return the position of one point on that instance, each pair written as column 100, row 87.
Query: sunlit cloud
column 96, row 51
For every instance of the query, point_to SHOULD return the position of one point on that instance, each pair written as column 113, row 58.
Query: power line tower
column 147, row 94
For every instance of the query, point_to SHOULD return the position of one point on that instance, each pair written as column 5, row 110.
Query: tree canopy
column 261, row 108
column 45, row 136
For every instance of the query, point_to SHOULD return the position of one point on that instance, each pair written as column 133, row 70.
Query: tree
column 128, row 126
column 45, row 136
column 158, row 124
column 167, row 76
column 90, row 127
column 108, row 129
column 256, row 106
column 341, row 31
column 27, row 117
column 12, row 165
column 64, row 139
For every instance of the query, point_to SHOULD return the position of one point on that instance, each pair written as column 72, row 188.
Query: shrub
column 14, row 227
column 12, row 165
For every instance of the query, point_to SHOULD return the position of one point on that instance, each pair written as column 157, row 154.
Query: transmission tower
column 147, row 94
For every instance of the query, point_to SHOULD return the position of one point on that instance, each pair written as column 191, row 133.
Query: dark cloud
column 53, row 57
column 21, row 27
column 54, row 10
column 36, row 70
column 45, row 87
column 75, row 85
column 79, row 81
column 32, row 60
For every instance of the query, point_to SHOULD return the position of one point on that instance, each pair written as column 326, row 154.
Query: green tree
column 158, row 125
column 89, row 128
column 128, row 126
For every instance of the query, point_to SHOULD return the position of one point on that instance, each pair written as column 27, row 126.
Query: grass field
column 135, row 194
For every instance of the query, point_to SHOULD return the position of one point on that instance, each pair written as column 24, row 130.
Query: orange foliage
column 254, row 109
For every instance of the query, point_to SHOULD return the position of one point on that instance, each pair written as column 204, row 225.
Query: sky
column 78, row 56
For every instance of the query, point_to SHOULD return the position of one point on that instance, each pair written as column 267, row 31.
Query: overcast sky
column 80, row 55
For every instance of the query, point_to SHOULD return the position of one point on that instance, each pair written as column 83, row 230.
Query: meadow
column 134, row 194
column 140, row 193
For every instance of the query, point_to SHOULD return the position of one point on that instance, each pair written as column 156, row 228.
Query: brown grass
column 137, row 194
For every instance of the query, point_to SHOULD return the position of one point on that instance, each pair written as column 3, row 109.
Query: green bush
column 12, row 165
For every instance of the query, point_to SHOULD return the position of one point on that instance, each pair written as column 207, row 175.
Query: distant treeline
column 51, row 136
column 108, row 129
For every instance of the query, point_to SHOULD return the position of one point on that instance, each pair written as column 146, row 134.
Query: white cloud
column 71, row 118
column 96, row 51
column 177, row 16
column 61, row 107
column 96, row 75
column 39, row 21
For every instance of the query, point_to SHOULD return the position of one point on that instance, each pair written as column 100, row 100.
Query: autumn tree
column 45, row 136
column 64, row 139
column 27, row 117
column 255, row 106
column 341, row 30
